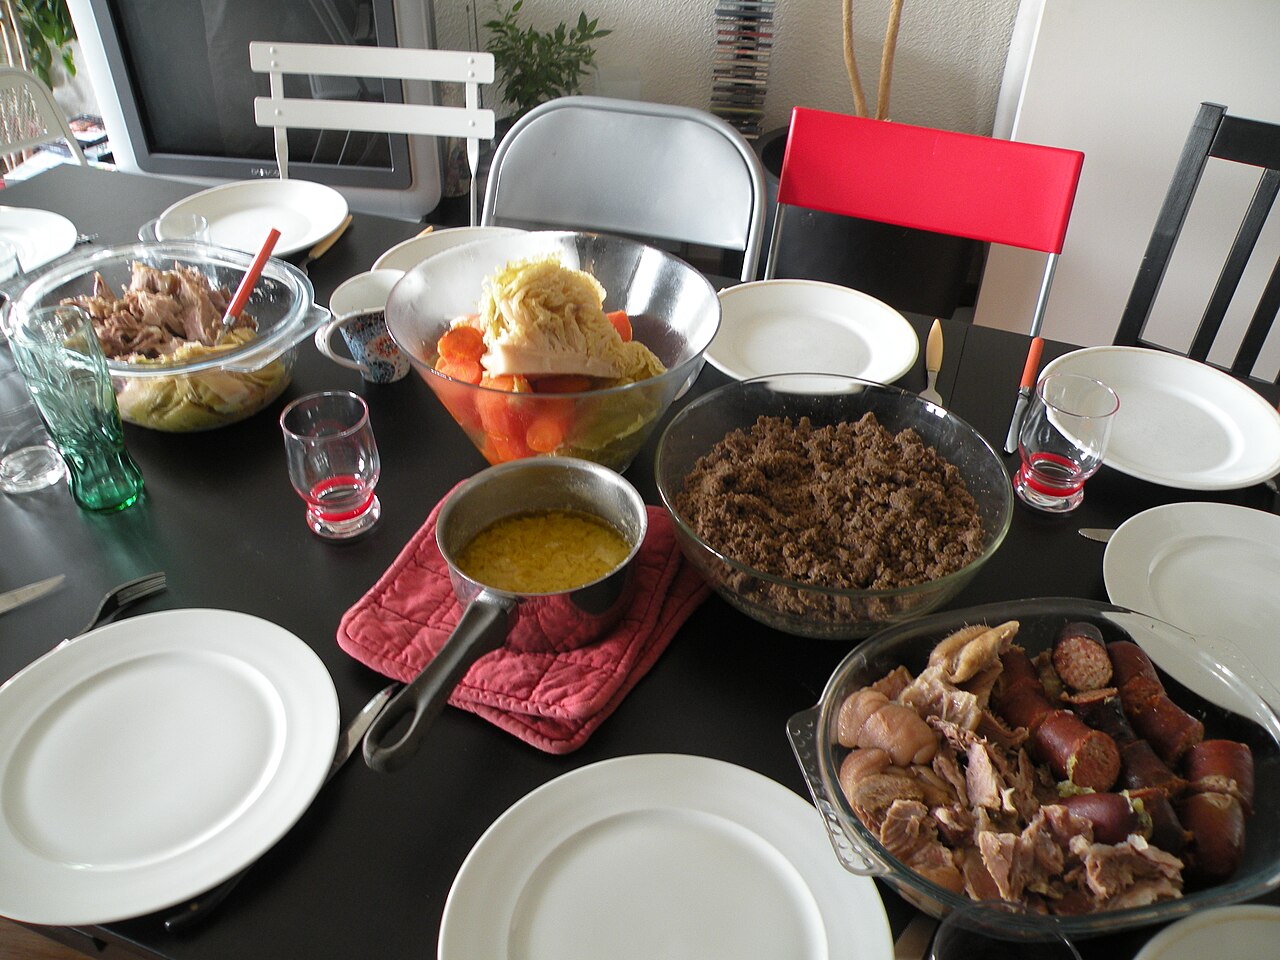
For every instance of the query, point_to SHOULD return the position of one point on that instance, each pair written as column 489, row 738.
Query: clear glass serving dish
column 1207, row 676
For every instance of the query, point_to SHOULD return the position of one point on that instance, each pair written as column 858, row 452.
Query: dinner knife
column 1029, row 371
column 933, row 363
column 348, row 740
column 32, row 591
column 1101, row 534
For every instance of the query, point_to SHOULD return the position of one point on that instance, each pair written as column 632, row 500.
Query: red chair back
column 983, row 188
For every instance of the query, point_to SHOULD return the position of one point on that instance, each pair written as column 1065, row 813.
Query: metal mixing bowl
column 803, row 608
column 214, row 390
column 673, row 310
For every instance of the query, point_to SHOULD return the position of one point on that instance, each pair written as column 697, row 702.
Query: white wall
column 948, row 65
column 1122, row 82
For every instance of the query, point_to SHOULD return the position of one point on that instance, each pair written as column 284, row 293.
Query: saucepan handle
column 483, row 627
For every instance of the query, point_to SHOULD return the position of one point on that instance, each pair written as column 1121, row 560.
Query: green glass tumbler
column 66, row 372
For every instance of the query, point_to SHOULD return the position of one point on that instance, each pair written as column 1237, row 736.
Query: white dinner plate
column 1212, row 569
column 660, row 855
column 240, row 214
column 1245, row 932
column 407, row 254
column 37, row 235
column 153, row 758
column 1181, row 423
column 806, row 326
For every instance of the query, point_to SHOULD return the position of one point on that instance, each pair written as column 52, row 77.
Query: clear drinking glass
column 176, row 226
column 1000, row 930
column 28, row 460
column 66, row 372
column 1063, row 439
column 333, row 462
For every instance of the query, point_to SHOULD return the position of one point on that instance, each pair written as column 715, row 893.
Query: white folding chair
column 643, row 169
column 400, row 63
column 29, row 117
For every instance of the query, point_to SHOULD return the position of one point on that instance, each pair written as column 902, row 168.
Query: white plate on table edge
column 808, row 326
column 37, row 235
column 1243, row 932
column 630, row 857
column 150, row 759
column 1211, row 569
column 241, row 213
column 407, row 254
column 1181, row 423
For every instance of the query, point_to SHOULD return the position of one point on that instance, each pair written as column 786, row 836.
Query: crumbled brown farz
column 848, row 506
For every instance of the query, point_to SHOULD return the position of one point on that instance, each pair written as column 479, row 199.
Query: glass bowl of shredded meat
column 1103, row 768
column 157, row 309
column 828, row 506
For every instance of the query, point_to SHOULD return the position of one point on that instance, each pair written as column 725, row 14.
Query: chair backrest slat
column 983, row 188
column 1213, row 135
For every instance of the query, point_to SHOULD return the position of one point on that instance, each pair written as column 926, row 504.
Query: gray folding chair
column 30, row 117
column 646, row 170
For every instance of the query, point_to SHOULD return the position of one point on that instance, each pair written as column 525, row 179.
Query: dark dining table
column 366, row 869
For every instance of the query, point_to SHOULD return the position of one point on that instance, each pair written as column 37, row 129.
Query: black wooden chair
column 1214, row 134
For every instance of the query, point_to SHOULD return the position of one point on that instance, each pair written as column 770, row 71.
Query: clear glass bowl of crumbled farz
column 828, row 506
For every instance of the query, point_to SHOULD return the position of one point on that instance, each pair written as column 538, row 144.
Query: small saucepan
column 589, row 609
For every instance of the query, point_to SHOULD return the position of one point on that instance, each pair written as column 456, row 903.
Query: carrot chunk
column 545, row 434
column 468, row 371
column 622, row 323
column 461, row 343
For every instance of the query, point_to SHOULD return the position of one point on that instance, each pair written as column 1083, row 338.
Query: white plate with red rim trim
column 627, row 858
column 1246, row 932
column 148, row 760
column 807, row 326
column 1181, row 423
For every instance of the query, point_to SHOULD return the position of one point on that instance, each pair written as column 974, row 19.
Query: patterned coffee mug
column 358, row 307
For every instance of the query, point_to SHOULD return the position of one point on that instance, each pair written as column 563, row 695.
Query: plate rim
column 1121, row 549
column 893, row 316
column 1158, row 946
column 1184, row 481
column 67, row 232
column 120, row 893
column 657, row 771
column 381, row 262
column 319, row 230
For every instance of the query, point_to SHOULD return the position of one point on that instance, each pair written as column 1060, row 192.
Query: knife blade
column 1101, row 534
column 32, row 591
column 348, row 740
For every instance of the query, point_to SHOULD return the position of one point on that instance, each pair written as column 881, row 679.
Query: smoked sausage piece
column 1169, row 729
column 1222, row 766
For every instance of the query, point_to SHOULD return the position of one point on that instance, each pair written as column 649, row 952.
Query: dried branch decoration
column 886, row 60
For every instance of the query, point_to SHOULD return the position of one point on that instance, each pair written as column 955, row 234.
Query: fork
column 123, row 596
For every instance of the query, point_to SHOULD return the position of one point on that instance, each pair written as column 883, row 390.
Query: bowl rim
column 957, row 576
column 303, row 318
column 677, row 372
column 1233, row 890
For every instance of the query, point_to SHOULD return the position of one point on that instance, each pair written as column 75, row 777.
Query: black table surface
column 366, row 870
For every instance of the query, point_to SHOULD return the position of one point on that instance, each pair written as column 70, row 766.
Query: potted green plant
column 47, row 28
column 535, row 66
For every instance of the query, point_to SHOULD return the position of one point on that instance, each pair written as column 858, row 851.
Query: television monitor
column 173, row 83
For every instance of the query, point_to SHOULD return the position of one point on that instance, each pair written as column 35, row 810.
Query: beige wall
column 948, row 66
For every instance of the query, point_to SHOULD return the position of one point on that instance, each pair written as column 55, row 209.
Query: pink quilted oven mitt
column 548, row 690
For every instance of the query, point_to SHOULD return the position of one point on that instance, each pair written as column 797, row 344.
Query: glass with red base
column 333, row 462
column 1063, row 439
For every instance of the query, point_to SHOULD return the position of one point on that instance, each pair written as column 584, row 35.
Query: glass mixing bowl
column 673, row 311
column 221, row 385
column 1206, row 676
column 802, row 608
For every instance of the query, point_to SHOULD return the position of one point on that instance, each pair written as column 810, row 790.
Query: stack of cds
column 744, row 40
